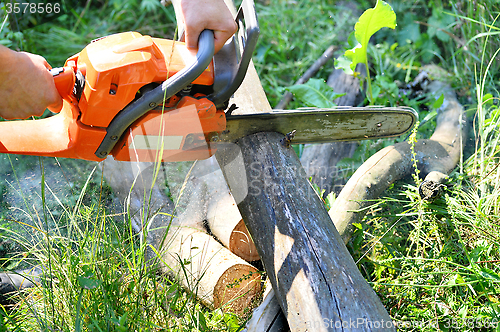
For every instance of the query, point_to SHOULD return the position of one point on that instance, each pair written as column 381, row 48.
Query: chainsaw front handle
column 158, row 95
column 229, row 72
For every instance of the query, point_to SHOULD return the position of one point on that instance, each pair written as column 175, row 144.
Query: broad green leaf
column 372, row 20
column 438, row 24
column 342, row 62
column 488, row 99
column 315, row 93
column 87, row 282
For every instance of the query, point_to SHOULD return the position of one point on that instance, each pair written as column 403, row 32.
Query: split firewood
column 180, row 245
column 437, row 156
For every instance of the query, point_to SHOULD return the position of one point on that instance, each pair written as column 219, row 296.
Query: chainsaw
column 140, row 98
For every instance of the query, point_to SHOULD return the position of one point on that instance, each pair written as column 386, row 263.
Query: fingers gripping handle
column 153, row 98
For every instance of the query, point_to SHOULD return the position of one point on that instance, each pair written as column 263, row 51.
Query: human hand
column 199, row 15
column 26, row 86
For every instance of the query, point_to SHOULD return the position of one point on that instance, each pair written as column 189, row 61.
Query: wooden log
column 224, row 218
column 437, row 156
column 226, row 223
column 316, row 281
column 221, row 212
column 213, row 273
column 268, row 316
column 217, row 276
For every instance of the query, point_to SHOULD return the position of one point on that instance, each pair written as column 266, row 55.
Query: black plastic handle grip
column 153, row 98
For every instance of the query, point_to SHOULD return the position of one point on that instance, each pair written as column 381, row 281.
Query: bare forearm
column 26, row 86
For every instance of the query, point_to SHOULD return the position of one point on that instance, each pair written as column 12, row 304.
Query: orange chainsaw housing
column 115, row 69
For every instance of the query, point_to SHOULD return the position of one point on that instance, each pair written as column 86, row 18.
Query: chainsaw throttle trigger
column 68, row 83
column 158, row 95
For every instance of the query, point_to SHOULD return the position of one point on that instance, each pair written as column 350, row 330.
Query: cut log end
column 241, row 244
column 238, row 289
column 225, row 222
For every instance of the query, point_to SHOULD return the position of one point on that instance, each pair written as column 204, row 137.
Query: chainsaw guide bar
column 324, row 125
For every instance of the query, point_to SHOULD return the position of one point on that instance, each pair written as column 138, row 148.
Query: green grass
column 97, row 274
column 434, row 265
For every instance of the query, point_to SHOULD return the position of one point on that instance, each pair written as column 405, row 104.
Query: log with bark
column 316, row 281
column 437, row 156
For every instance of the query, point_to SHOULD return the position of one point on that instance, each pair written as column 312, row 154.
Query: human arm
column 26, row 86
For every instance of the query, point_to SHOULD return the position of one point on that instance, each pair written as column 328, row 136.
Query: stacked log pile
column 177, row 233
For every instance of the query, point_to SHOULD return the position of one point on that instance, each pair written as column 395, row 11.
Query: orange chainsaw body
column 180, row 134
column 116, row 68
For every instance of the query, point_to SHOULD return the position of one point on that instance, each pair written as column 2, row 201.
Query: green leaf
column 202, row 320
column 342, row 62
column 87, row 282
column 372, row 20
column 438, row 24
column 429, row 117
column 315, row 93
column 438, row 102
column 488, row 99
column 329, row 200
column 356, row 55
column 489, row 275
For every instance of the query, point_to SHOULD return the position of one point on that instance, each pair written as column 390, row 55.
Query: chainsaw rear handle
column 155, row 97
column 226, row 81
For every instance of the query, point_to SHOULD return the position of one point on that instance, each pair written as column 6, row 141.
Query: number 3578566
column 32, row 8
